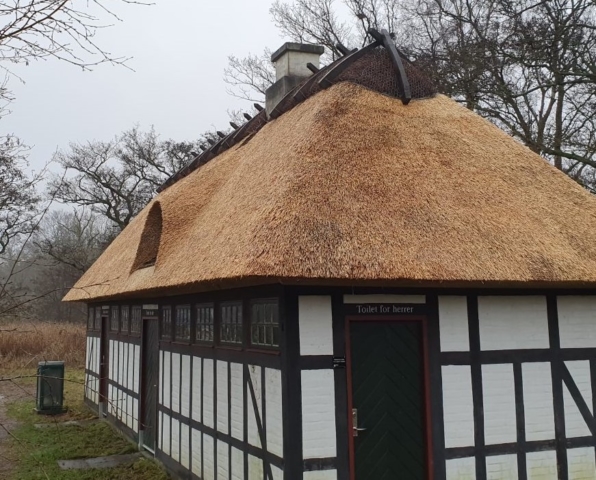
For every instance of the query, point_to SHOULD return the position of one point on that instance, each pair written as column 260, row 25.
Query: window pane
column 124, row 314
column 135, row 322
column 98, row 318
column 182, row 327
column 204, row 327
column 264, row 323
column 231, row 322
column 90, row 318
column 166, row 322
column 114, row 319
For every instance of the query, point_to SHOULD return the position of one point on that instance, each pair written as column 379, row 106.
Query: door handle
column 355, row 427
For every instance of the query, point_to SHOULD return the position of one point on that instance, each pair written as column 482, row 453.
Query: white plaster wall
column 541, row 465
column 501, row 467
column 237, row 464
column 175, row 382
column 277, row 473
column 524, row 315
column 321, row 475
column 315, row 325
column 581, row 464
column 318, row 414
column 137, row 368
column 499, row 404
column 197, row 447
column 538, row 401
column 113, row 360
column 577, row 321
column 161, row 379
column 185, row 387
column 175, row 453
column 196, row 389
column 575, row 426
column 166, row 434
column 129, row 411
column 222, row 460
column 208, row 457
column 130, row 359
column 255, row 468
column 274, row 412
column 208, row 413
column 160, row 431
column 458, row 413
column 453, row 324
column 253, row 432
column 120, row 374
column 222, row 396
column 167, row 359
column 461, row 469
column 237, row 399
column 384, row 299
column 135, row 413
column 184, row 445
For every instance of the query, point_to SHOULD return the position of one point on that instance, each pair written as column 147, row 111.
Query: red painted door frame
column 425, row 360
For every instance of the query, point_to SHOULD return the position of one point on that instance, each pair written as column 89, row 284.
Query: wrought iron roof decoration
column 378, row 66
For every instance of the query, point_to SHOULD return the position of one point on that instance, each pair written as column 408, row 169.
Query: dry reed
column 23, row 344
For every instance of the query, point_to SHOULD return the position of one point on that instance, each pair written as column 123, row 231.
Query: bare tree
column 61, row 29
column 528, row 66
column 116, row 179
column 18, row 198
column 74, row 238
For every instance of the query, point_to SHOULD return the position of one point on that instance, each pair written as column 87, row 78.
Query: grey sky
column 179, row 50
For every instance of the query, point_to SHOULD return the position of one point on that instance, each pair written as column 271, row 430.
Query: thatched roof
column 353, row 187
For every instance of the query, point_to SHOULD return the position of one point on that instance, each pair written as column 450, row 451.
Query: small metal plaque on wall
column 339, row 362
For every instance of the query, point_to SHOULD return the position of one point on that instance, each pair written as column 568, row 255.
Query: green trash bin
column 50, row 388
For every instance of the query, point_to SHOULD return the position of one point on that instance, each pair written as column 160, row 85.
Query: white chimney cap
column 291, row 59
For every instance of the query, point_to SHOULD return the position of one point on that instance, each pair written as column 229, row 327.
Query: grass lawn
column 38, row 449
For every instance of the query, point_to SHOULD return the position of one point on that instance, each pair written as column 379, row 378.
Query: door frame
column 104, row 365
column 142, row 397
column 426, row 383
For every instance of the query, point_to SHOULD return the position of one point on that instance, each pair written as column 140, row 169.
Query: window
column 124, row 319
column 205, row 326
column 98, row 318
column 264, row 323
column 231, row 322
column 150, row 238
column 114, row 319
column 135, row 321
column 166, row 323
column 90, row 319
column 182, row 326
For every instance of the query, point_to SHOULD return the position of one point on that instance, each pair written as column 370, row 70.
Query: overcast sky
column 179, row 50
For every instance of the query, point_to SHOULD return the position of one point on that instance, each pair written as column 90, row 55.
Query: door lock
column 355, row 428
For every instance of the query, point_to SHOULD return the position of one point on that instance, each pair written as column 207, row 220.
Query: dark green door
column 388, row 400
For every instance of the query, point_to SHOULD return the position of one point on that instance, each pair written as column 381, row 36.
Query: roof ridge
column 381, row 71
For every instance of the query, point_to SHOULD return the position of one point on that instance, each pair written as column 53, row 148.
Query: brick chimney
column 290, row 69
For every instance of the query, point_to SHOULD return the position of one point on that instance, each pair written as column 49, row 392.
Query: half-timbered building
column 364, row 281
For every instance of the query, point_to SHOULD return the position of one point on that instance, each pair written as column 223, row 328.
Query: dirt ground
column 9, row 392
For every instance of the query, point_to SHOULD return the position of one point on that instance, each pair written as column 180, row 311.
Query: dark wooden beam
column 385, row 38
column 312, row 67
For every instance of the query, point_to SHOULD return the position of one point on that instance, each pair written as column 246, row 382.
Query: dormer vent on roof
column 294, row 62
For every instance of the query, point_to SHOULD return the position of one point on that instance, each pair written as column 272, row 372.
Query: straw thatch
column 352, row 187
